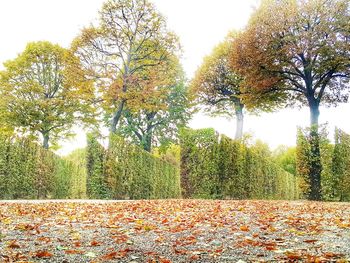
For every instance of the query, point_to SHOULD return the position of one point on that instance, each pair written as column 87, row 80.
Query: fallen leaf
column 43, row 254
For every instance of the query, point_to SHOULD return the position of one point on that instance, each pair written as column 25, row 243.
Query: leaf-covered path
column 174, row 231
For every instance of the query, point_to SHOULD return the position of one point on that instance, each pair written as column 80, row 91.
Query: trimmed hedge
column 27, row 171
column 341, row 166
column 78, row 179
column 335, row 176
column 96, row 180
column 213, row 167
column 125, row 171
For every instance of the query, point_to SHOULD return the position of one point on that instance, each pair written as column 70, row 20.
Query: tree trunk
column 46, row 138
column 116, row 117
column 239, row 121
column 315, row 154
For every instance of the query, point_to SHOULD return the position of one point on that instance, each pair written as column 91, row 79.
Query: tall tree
column 159, row 106
column 127, row 40
column 217, row 87
column 42, row 92
column 300, row 51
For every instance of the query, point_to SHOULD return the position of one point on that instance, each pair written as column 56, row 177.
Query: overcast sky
column 201, row 24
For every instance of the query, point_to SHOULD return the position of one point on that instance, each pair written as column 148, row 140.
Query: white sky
column 201, row 24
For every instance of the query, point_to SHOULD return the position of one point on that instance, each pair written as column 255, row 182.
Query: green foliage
column 43, row 93
column 78, row 183
column 216, row 86
column 329, row 187
column 160, row 115
column 95, row 157
column 303, row 162
column 341, row 166
column 125, row 171
column 27, row 171
column 332, row 160
column 131, row 38
column 170, row 154
column 295, row 52
column 199, row 149
column 285, row 157
column 70, row 176
column 225, row 168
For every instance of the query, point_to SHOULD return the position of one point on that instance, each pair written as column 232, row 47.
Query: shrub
column 199, row 163
column 213, row 167
column 77, row 161
column 341, row 166
column 304, row 162
column 125, row 171
column 96, row 181
column 27, row 171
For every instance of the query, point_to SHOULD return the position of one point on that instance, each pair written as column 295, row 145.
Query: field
column 174, row 231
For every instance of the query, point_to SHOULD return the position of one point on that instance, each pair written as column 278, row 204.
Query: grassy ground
column 174, row 231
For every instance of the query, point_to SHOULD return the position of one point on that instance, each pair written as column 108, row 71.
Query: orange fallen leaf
column 310, row 240
column 14, row 244
column 194, row 257
column 164, row 260
column 43, row 254
column 180, row 251
column 244, row 228
column 110, row 256
column 271, row 248
column 77, row 244
column 293, row 256
column 95, row 243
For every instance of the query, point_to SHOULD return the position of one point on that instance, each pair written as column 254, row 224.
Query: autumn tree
column 159, row 106
column 299, row 51
column 42, row 92
column 217, row 87
column 127, row 40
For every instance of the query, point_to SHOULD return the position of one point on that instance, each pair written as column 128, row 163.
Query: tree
column 217, row 87
column 128, row 39
column 299, row 51
column 42, row 92
column 158, row 107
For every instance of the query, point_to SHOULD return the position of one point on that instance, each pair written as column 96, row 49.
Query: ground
column 174, row 231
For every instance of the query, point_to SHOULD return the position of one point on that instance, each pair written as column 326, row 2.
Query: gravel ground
column 174, row 231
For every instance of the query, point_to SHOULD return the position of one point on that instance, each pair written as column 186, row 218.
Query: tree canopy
column 217, row 86
column 43, row 92
column 130, row 38
column 159, row 107
column 297, row 50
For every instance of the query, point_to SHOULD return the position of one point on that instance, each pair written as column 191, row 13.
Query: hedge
column 96, row 180
column 341, row 166
column 27, row 171
column 335, row 176
column 214, row 166
column 125, row 171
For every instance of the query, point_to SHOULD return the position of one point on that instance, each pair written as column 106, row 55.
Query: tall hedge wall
column 125, row 171
column 27, row 171
column 341, row 166
column 224, row 168
column 335, row 176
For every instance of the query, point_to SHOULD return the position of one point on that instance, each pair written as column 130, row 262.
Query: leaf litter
column 174, row 231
